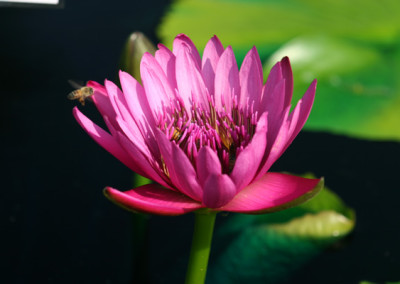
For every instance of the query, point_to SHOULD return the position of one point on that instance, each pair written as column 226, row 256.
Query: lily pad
column 269, row 248
column 357, row 94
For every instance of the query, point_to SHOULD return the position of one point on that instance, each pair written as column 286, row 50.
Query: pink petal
column 177, row 46
column 159, row 93
column 191, row 86
column 276, row 148
column 180, row 169
column 207, row 163
column 147, row 167
column 124, row 119
column 251, row 79
column 273, row 192
column 248, row 161
column 135, row 98
column 227, row 86
column 104, row 139
column 211, row 55
column 303, row 108
column 153, row 199
column 218, row 191
column 288, row 76
column 166, row 59
column 273, row 95
column 139, row 108
column 102, row 101
column 275, row 110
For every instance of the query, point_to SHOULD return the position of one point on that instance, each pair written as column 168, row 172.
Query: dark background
column 57, row 227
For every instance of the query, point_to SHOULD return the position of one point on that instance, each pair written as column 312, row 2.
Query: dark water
column 56, row 226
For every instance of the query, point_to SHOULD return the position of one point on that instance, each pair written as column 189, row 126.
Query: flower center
column 226, row 133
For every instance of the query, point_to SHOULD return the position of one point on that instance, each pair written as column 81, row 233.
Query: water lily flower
column 206, row 132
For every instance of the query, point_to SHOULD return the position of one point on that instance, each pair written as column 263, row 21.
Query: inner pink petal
column 218, row 191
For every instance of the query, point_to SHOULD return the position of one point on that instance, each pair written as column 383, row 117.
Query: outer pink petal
column 207, row 163
column 248, row 161
column 251, row 79
column 177, row 46
column 191, row 86
column 274, row 192
column 218, row 191
column 153, row 199
column 211, row 55
column 227, row 85
column 102, row 102
column 181, row 171
column 166, row 59
column 159, row 93
column 105, row 140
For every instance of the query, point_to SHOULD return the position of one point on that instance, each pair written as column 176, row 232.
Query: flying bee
column 80, row 94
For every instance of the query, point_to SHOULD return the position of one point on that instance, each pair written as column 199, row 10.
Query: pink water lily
column 206, row 132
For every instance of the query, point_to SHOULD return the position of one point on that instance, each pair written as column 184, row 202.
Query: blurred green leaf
column 351, row 47
column 268, row 248
column 358, row 91
column 268, row 24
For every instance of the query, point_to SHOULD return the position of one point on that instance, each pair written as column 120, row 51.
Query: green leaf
column 268, row 248
column 268, row 24
column 358, row 91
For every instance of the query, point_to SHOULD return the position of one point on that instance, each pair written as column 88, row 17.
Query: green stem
column 201, row 245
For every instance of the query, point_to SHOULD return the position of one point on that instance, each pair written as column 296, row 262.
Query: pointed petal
column 139, row 108
column 274, row 192
column 211, row 55
column 303, row 108
column 273, row 95
column 166, row 59
column 177, row 45
column 207, row 163
column 124, row 119
column 251, row 79
column 102, row 101
column 159, row 93
column 135, row 98
column 248, row 161
column 275, row 108
column 275, row 148
column 153, row 199
column 180, row 169
column 288, row 76
column 191, row 86
column 104, row 139
column 227, row 86
column 218, row 191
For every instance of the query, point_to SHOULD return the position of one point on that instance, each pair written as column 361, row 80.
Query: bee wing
column 76, row 84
